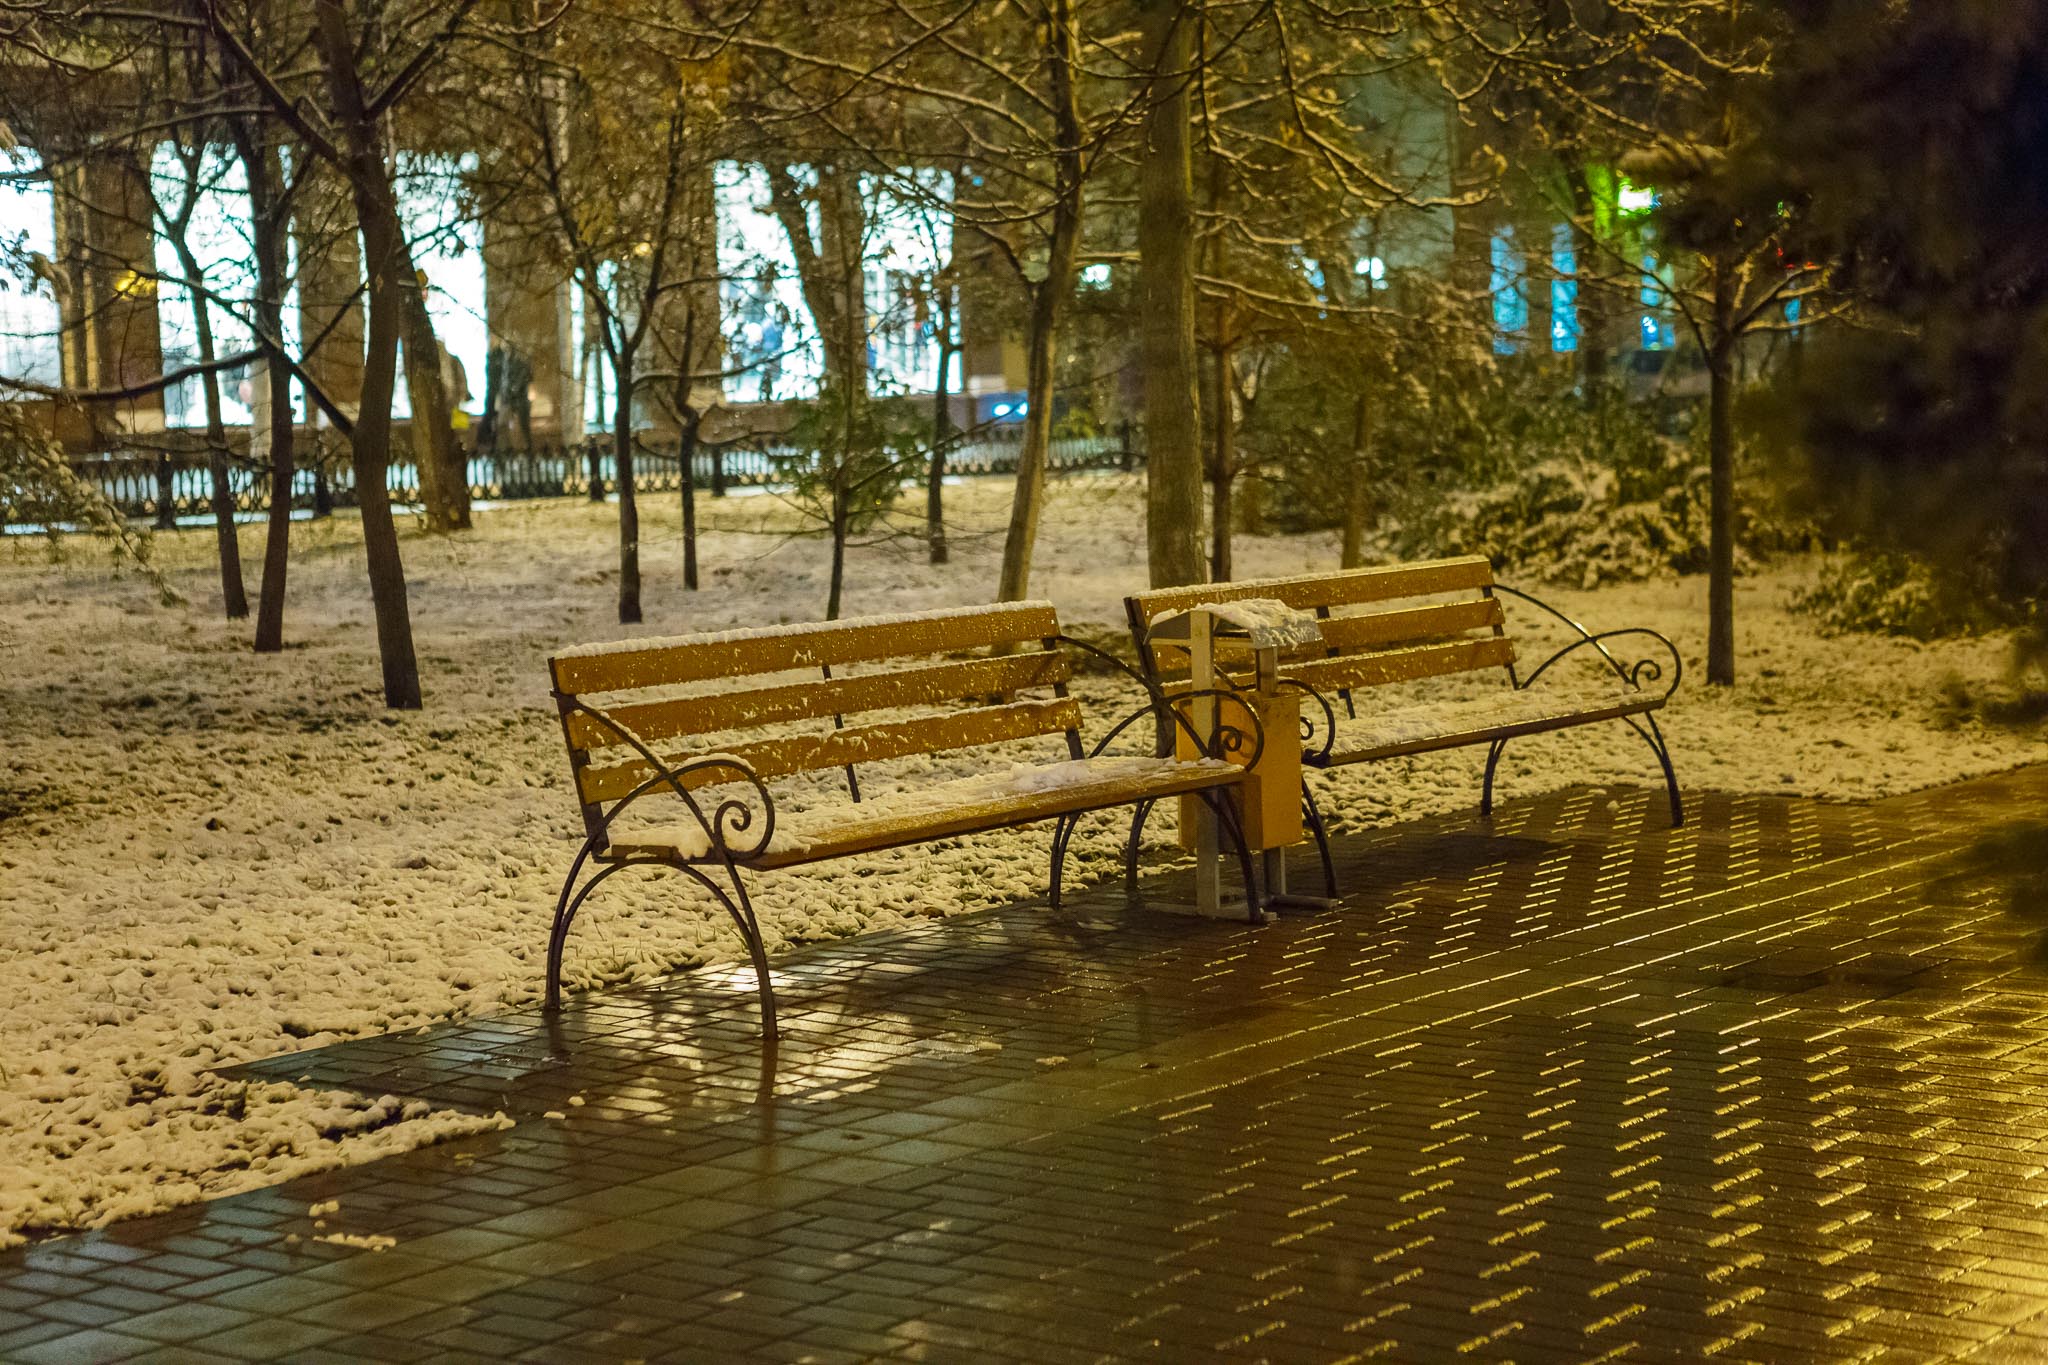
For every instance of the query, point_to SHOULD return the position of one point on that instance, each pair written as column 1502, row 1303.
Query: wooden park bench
column 685, row 735
column 1404, row 623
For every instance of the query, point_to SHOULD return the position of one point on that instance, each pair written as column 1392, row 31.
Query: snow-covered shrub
column 1884, row 591
column 38, row 487
column 1564, row 491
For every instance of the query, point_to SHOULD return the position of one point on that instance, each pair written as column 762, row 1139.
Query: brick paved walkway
column 1770, row 1088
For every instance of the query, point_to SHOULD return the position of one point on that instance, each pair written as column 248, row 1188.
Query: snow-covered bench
column 1404, row 623
column 683, row 736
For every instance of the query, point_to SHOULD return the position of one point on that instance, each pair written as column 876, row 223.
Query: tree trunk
column 1166, row 302
column 444, row 482
column 1048, row 298
column 267, row 223
column 688, row 421
column 389, row 267
column 1592, row 294
column 840, row 517
column 828, row 264
column 1721, row 472
column 942, row 434
column 233, row 594
column 166, row 494
column 1222, row 469
column 1357, row 489
column 629, row 509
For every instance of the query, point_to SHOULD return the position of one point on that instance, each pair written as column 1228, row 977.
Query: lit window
column 447, row 247
column 1510, row 286
column 909, row 241
column 771, row 343
column 1658, row 334
column 1095, row 276
column 217, row 234
column 1372, row 268
column 29, row 317
column 1564, row 290
column 1633, row 199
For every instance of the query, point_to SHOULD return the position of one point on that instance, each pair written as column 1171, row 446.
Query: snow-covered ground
column 208, row 856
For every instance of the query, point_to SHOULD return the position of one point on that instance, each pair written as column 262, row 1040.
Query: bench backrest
column 1376, row 627
column 887, row 663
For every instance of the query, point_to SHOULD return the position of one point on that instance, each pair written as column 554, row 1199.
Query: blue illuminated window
column 1510, row 286
column 1564, row 290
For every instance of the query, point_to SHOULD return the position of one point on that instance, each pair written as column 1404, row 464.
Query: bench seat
column 1024, row 794
column 1505, row 714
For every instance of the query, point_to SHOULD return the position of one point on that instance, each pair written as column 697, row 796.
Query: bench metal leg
column 1139, row 816
column 1652, row 736
column 741, row 907
column 566, row 907
column 1062, row 835
column 1313, row 815
column 1493, row 751
column 735, row 903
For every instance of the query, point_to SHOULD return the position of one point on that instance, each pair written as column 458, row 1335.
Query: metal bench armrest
column 1230, row 739
column 727, row 825
column 1310, row 751
column 1230, row 742
column 1636, row 675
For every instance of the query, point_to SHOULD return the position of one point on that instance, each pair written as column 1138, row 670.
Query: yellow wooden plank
column 1382, row 629
column 776, row 649
column 1347, row 587
column 1403, row 665
column 659, row 720
column 1369, row 630
column 858, row 744
column 867, row 829
column 1458, row 736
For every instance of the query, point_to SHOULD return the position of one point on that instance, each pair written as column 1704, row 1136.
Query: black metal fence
column 167, row 486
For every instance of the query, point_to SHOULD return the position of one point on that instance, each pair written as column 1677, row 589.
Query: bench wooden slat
column 1404, row 625
column 1351, row 587
column 1457, row 736
column 777, row 649
column 1403, row 665
column 1374, row 630
column 877, row 827
column 659, row 720
column 859, row 744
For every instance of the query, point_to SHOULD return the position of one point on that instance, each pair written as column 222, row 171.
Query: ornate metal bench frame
column 739, row 829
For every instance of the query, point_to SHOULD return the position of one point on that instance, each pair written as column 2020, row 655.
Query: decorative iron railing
column 168, row 486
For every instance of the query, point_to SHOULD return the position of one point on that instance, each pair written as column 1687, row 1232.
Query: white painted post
column 1202, row 715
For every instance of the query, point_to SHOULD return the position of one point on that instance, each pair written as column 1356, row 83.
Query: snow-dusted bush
column 1884, row 591
column 38, row 487
column 1559, row 490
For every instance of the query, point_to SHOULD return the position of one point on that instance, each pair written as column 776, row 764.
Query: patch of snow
column 1271, row 624
column 209, row 856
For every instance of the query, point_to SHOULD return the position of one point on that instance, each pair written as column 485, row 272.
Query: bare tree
column 353, row 134
column 1166, row 283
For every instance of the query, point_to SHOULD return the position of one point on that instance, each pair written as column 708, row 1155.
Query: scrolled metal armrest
column 1229, row 738
column 1308, row 726
column 1636, row 675
column 730, row 817
column 1643, row 671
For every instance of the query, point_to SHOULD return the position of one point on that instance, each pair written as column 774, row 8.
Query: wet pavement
column 1566, row 1085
